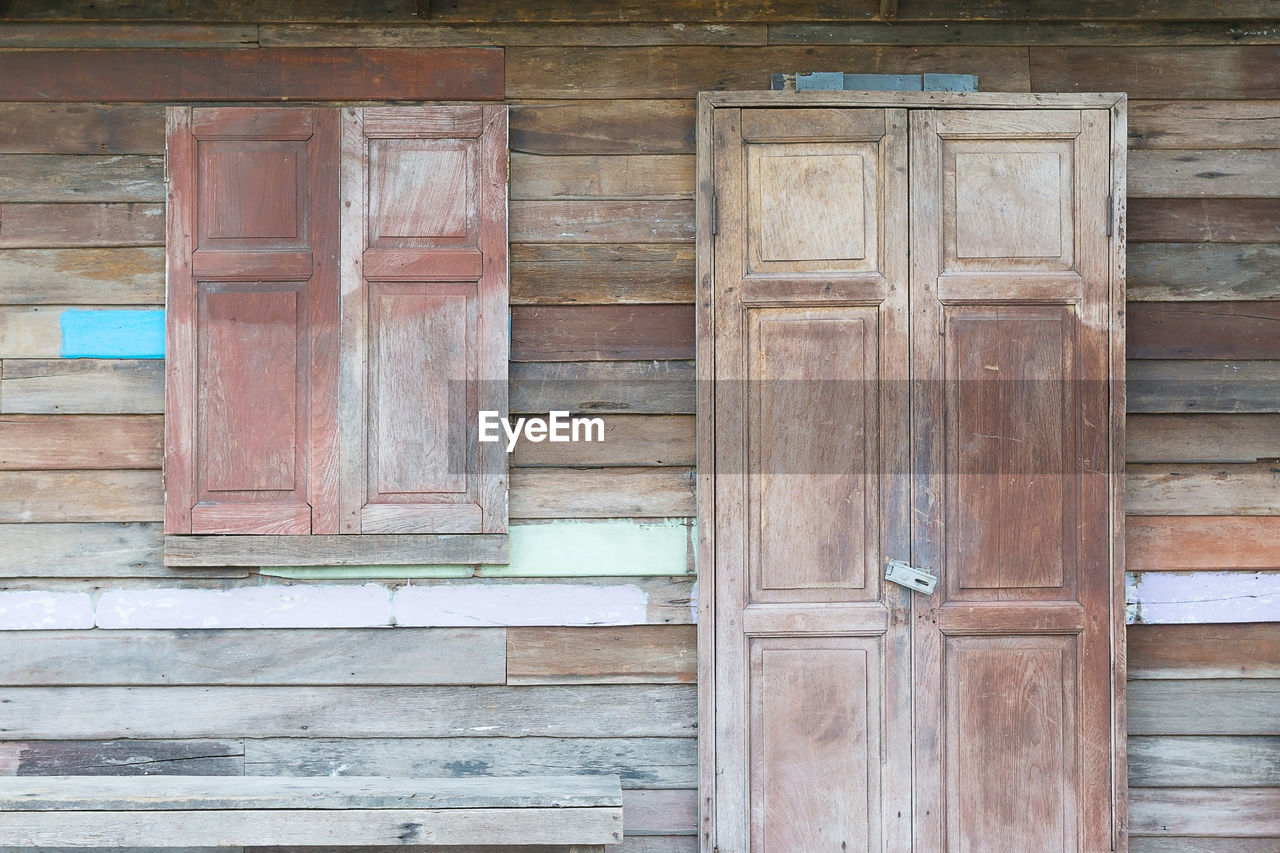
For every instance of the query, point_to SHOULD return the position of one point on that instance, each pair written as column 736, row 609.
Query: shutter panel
column 424, row 318
column 252, row 313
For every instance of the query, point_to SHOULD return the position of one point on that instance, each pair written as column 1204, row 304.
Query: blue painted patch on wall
column 112, row 333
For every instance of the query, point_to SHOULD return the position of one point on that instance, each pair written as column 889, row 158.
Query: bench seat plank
column 571, row 812
column 186, row 793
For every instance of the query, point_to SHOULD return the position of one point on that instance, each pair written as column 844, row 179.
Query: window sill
column 336, row 550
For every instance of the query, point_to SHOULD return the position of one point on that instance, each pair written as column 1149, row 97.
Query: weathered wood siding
column 602, row 281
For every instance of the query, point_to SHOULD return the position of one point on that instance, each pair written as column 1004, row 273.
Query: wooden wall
column 602, row 282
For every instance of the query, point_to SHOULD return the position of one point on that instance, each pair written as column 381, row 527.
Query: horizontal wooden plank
column 1247, row 706
column 1217, row 330
column 630, row 844
column 75, row 35
column 30, row 332
column 1199, row 543
column 255, row 657
column 602, row 127
column 1202, row 386
column 1202, row 489
column 82, row 551
column 82, row 276
column 1182, row 844
column 588, row 274
column 628, row 440
column 649, row 654
column 563, row 11
column 1244, row 650
column 600, row 493
column 203, row 10
column 1246, row 71
column 97, row 713
column 422, row 34
column 332, row 549
column 337, row 827
column 92, row 386
column 682, row 72
column 80, row 178
column 601, row 332
column 1202, row 438
column 81, row 441
column 650, row 762
column 1009, row 32
column 1239, row 812
column 1204, row 220
column 314, row 793
column 621, row 387
column 661, row 812
column 1212, row 174
column 599, row 221
column 1210, row 762
column 1204, row 124
column 1177, row 272
column 1183, row 597
column 266, row 74
column 78, row 128
column 656, row 176
column 122, row 758
column 36, row 496
column 25, row 226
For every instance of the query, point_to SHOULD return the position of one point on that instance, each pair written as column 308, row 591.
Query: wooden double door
column 912, row 317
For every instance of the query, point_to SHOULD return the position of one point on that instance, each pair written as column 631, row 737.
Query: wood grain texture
column 1246, row 706
column 1209, row 330
column 599, row 221
column 30, row 332
column 349, row 712
column 256, row 657
column 1237, row 173
column 586, row 274
column 194, row 74
column 657, row 176
column 644, row 654
column 122, row 758
column 335, row 549
column 1202, row 386
column 649, row 762
column 1184, row 844
column 1204, row 220
column 65, row 442
column 90, row 550
column 82, row 276
column 1202, row 489
column 1203, row 124
column 621, row 387
column 603, row 127
column 63, row 178
column 1247, row 71
column 1176, row 272
column 38, row 496
column 73, row 35
column 56, row 225
column 1242, row 650
column 682, row 72
column 628, row 440
column 1202, row 438
column 1209, row 762
column 79, row 128
column 65, row 386
column 601, row 333
column 1203, row 542
column 601, row 493
column 203, row 10
column 1012, row 31
column 1241, row 812
column 499, row 35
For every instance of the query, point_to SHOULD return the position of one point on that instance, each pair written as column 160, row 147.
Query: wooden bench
column 563, row 813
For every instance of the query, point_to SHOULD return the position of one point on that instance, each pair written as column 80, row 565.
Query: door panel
column 813, row 666
column 1009, row 294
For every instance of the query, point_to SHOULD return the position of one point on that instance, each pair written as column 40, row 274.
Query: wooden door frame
column 705, row 207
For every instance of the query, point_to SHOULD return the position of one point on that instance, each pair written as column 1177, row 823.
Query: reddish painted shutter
column 424, row 318
column 252, row 321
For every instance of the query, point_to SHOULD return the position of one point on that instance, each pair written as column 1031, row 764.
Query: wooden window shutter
column 251, row 438
column 424, row 318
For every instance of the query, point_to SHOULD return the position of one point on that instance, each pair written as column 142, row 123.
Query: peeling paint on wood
column 1202, row 597
column 526, row 604
column 36, row 610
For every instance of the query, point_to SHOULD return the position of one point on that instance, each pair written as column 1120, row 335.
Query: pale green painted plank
column 555, row 549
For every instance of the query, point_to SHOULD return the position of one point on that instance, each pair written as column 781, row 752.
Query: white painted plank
column 22, row 610
column 472, row 605
column 301, row 606
column 1202, row 597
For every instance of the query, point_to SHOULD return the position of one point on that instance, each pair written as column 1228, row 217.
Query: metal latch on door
column 909, row 576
